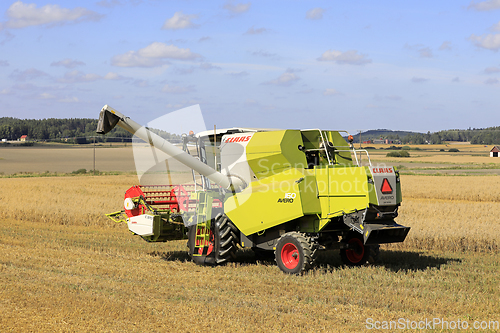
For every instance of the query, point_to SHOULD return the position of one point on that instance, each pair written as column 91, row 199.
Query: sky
column 340, row 65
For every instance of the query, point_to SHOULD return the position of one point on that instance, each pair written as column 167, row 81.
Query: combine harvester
column 286, row 193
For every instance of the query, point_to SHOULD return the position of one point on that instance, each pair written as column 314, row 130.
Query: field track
column 66, row 268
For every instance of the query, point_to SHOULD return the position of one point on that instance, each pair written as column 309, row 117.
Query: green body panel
column 309, row 193
column 345, row 189
column 264, row 204
column 269, row 153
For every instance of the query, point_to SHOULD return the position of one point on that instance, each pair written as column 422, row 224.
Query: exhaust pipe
column 109, row 118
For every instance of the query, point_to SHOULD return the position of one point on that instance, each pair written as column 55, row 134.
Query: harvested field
column 64, row 159
column 64, row 267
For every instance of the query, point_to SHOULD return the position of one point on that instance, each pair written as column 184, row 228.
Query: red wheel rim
column 358, row 253
column 290, row 255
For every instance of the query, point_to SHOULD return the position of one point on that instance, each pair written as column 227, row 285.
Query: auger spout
column 109, row 118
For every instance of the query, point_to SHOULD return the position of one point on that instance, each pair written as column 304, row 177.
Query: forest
column 74, row 130
column 486, row 136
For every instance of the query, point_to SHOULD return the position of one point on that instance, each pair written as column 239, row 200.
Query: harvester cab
column 282, row 193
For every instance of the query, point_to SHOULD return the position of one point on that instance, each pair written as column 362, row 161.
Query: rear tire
column 374, row 253
column 294, row 253
column 357, row 253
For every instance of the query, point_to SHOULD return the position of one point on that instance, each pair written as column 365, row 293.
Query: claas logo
column 237, row 139
column 386, row 187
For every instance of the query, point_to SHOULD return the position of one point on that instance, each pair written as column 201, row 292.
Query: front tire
column 294, row 253
column 222, row 245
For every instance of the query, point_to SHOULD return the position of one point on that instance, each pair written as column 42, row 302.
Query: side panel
column 272, row 152
column 266, row 203
column 308, row 188
column 348, row 190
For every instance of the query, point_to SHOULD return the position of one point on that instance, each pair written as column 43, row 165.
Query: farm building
column 24, row 138
column 494, row 151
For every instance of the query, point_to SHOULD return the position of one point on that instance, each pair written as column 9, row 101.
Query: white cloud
column 132, row 59
column 162, row 50
column 495, row 27
column 46, row 96
column 490, row 41
column 28, row 74
column 258, row 31
column 141, row 83
column 237, row 8
column 176, row 90
column 445, row 46
column 491, row 81
column 4, row 63
column 491, row 70
column 69, row 100
column 24, row 15
column 264, row 54
column 68, row 63
column 485, row 5
column 350, row 57
column 425, row 52
column 153, row 55
column 238, row 74
column 315, row 13
column 180, row 21
column 331, row 92
column 77, row 76
column 286, row 79
column 208, row 66
column 5, row 92
column 113, row 76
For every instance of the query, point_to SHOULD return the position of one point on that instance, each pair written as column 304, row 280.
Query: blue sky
column 401, row 65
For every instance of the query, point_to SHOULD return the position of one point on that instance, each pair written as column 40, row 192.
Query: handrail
column 356, row 155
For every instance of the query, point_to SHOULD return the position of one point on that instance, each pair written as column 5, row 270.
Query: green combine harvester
column 282, row 193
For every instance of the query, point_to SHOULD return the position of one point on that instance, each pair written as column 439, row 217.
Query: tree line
column 54, row 129
column 486, row 136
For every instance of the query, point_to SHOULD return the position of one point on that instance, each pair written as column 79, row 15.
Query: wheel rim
column 355, row 255
column 290, row 256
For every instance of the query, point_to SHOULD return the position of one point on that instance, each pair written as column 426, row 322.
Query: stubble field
column 64, row 267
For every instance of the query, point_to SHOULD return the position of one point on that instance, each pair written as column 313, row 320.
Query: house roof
column 23, row 136
column 495, row 149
